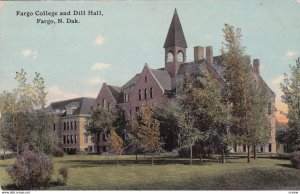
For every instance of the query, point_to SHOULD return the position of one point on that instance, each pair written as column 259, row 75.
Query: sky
column 76, row 58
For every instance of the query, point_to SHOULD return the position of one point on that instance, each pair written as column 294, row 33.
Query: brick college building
column 69, row 120
column 154, row 87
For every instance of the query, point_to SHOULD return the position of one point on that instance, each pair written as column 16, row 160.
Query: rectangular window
column 75, row 124
column 71, row 138
column 68, row 126
column 75, row 137
column 125, row 97
column 64, row 125
column 71, row 124
column 53, row 126
column 68, row 141
column 103, row 137
column 151, row 91
column 140, row 94
column 145, row 94
column 129, row 113
column 108, row 105
column 145, row 79
column 269, row 108
column 64, row 139
column 86, row 140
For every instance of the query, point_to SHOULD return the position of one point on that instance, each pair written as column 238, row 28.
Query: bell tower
column 175, row 46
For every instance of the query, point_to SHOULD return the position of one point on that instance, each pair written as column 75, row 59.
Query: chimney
column 209, row 55
column 256, row 64
column 198, row 53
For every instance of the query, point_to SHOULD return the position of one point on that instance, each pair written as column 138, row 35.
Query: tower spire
column 175, row 36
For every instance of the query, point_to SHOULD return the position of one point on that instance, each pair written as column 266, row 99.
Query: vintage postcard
column 150, row 95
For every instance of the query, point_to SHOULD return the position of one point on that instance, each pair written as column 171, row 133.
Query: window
column 104, row 148
column 68, row 141
column 68, row 125
column 86, row 140
column 53, row 126
column 75, row 124
column 103, row 137
column 71, row 124
column 145, row 79
column 64, row 139
column 151, row 93
column 270, row 147
column 75, row 137
column 180, row 56
column 140, row 94
column 108, row 105
column 145, row 94
column 170, row 57
column 71, row 138
column 103, row 102
column 129, row 113
column 125, row 98
column 64, row 125
column 269, row 108
column 137, row 109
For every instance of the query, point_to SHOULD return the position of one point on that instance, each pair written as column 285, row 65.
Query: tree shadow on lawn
column 95, row 163
column 286, row 165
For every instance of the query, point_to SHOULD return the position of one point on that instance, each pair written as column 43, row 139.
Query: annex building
column 154, row 87
column 68, row 124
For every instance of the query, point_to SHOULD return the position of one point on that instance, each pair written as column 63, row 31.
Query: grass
column 92, row 172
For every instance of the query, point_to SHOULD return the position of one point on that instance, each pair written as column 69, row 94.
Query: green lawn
column 91, row 172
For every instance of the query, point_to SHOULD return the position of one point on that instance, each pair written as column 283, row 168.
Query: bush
column 63, row 171
column 31, row 171
column 295, row 159
column 57, row 152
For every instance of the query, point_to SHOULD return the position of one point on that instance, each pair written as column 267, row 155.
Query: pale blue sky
column 132, row 33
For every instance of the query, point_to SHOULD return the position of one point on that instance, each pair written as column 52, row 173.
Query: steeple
column 175, row 35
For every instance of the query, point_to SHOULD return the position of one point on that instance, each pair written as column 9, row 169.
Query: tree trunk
column 254, row 152
column 136, row 153
column 117, row 159
column 223, row 155
column 152, row 159
column 248, row 160
column 191, row 156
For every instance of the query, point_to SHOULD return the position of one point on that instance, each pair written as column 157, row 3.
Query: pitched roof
column 163, row 78
column 115, row 91
column 175, row 35
column 84, row 105
column 132, row 81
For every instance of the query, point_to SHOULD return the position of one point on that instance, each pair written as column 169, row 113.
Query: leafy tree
column 205, row 117
column 24, row 119
column 291, row 96
column 147, row 132
column 116, row 144
column 239, row 89
column 168, row 123
column 100, row 121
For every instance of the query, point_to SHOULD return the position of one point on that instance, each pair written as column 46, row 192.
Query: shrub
column 295, row 159
column 31, row 171
column 63, row 171
column 57, row 152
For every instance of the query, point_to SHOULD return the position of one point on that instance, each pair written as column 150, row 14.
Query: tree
column 259, row 127
column 239, row 88
column 291, row 96
column 168, row 123
column 101, row 121
column 24, row 118
column 147, row 132
column 116, row 144
column 205, row 117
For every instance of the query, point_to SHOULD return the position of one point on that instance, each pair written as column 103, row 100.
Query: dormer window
column 70, row 108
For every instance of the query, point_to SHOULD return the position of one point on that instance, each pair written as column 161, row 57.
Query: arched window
column 170, row 57
column 180, row 56
column 140, row 94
